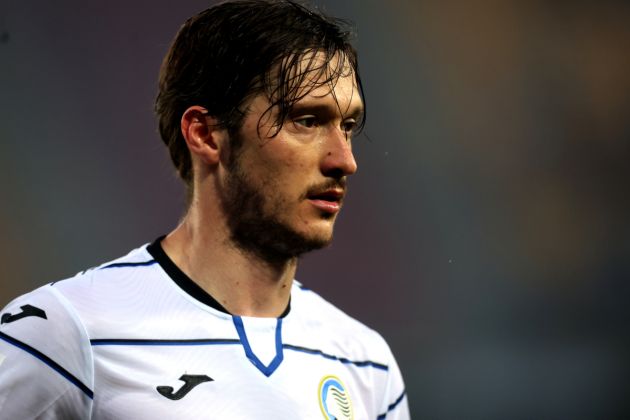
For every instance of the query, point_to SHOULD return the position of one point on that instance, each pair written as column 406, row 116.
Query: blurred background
column 486, row 234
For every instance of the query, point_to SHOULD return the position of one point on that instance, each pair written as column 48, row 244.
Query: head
column 246, row 59
column 231, row 52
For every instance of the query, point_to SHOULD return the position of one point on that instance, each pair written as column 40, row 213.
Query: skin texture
column 256, row 209
column 269, row 193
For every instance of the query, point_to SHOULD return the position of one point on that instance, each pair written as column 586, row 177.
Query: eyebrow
column 355, row 111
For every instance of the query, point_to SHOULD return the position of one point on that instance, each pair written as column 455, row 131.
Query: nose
column 338, row 160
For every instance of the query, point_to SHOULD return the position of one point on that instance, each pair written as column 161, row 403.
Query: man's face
column 282, row 194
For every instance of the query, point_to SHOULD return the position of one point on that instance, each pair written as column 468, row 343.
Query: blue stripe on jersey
column 48, row 361
column 129, row 264
column 266, row 370
column 392, row 406
column 243, row 340
column 151, row 342
column 332, row 357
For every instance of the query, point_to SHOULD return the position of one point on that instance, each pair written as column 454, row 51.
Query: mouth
column 328, row 201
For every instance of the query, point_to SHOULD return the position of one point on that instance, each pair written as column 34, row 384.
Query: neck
column 243, row 283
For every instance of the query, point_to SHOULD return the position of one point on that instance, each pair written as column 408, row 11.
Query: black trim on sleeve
column 392, row 405
column 186, row 283
column 48, row 361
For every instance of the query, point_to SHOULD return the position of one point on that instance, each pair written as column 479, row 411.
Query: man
column 257, row 103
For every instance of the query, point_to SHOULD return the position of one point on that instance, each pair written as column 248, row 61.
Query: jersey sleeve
column 394, row 405
column 46, row 367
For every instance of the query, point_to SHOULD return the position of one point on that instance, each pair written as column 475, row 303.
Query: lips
column 328, row 200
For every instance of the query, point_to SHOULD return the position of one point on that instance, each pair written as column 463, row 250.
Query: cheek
column 284, row 166
column 289, row 171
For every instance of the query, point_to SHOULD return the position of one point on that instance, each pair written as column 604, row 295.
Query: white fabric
column 141, row 302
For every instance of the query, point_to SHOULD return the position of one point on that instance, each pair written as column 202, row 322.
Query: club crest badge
column 334, row 399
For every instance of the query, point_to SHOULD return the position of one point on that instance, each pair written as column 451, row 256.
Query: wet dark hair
column 231, row 52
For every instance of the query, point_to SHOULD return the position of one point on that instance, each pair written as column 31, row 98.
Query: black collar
column 186, row 283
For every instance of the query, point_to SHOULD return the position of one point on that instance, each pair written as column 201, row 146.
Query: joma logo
column 190, row 381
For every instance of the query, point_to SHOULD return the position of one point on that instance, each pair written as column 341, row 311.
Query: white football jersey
column 137, row 339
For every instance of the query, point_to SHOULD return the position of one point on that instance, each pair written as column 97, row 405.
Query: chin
column 318, row 240
column 276, row 241
column 322, row 238
column 317, row 231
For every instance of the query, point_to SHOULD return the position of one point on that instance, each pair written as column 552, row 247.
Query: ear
column 203, row 134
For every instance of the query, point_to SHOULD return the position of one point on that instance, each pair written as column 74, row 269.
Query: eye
column 349, row 125
column 307, row 121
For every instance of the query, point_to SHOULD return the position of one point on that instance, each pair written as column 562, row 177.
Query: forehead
column 310, row 73
column 339, row 96
column 310, row 83
column 314, row 76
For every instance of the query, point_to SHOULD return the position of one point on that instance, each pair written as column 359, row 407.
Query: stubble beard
column 253, row 221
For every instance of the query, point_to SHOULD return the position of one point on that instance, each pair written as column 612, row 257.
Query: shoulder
column 46, row 357
column 106, row 297
column 119, row 268
column 108, row 275
column 59, row 308
column 338, row 330
column 32, row 318
column 330, row 332
column 83, row 304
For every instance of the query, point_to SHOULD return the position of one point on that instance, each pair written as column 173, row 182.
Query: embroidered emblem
column 334, row 399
